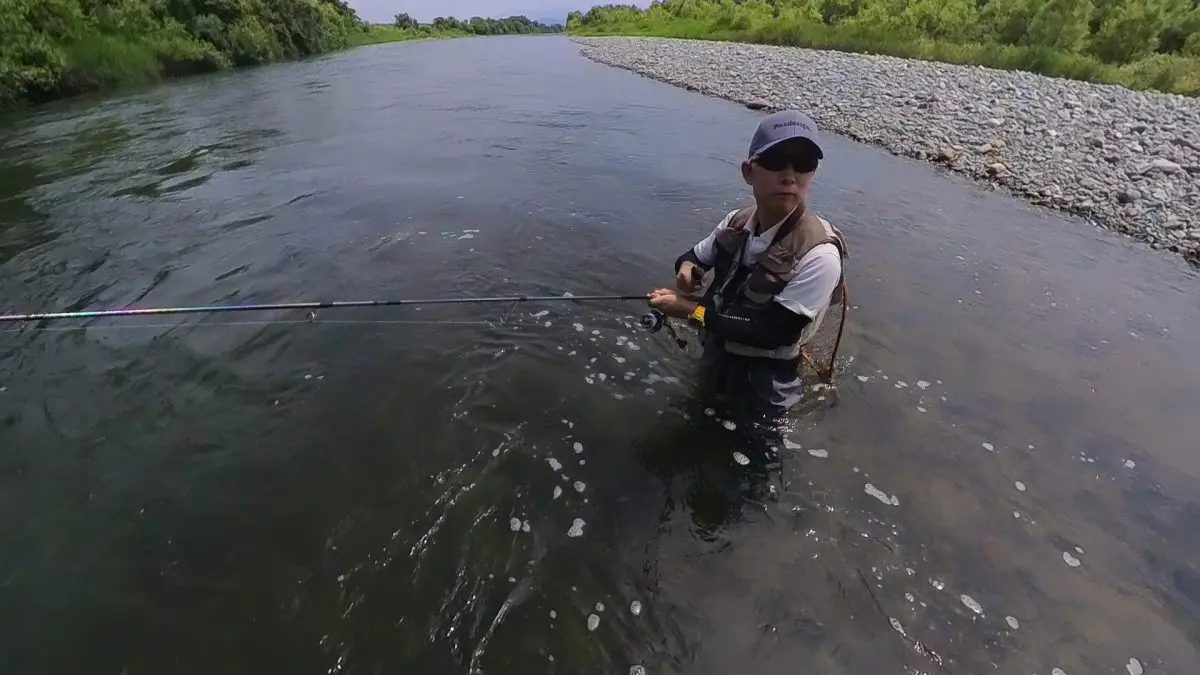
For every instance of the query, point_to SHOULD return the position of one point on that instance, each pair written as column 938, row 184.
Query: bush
column 1042, row 36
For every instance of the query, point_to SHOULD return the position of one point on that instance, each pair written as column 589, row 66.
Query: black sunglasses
column 801, row 162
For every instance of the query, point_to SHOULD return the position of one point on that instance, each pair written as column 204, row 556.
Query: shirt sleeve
column 705, row 250
column 816, row 278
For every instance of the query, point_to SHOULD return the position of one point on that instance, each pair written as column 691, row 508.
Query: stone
column 757, row 104
column 997, row 143
column 1128, row 196
column 947, row 154
column 1160, row 165
column 997, row 169
column 995, row 122
column 984, row 149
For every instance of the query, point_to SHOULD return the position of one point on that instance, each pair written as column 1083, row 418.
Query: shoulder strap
column 741, row 219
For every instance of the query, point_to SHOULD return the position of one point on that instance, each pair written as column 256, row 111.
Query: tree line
column 55, row 48
column 1140, row 43
column 477, row 25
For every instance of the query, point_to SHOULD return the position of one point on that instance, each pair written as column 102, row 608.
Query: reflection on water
column 1003, row 479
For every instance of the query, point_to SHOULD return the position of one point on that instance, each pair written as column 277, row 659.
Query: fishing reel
column 655, row 321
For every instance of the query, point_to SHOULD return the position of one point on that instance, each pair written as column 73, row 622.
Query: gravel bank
column 1129, row 161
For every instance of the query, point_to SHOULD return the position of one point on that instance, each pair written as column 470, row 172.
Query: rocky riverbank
column 1128, row 161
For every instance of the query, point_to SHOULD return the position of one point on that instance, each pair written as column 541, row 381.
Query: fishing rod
column 311, row 306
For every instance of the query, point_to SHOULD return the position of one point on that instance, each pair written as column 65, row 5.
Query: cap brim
column 768, row 146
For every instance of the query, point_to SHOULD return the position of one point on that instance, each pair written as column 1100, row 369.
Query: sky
column 380, row 11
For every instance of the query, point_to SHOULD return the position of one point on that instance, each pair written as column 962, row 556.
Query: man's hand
column 689, row 277
column 668, row 302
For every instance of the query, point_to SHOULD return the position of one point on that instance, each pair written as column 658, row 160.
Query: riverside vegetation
column 55, row 48
column 1141, row 44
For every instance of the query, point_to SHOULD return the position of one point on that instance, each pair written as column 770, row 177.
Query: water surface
column 180, row 495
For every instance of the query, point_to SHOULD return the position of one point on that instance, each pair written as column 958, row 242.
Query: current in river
column 1005, row 478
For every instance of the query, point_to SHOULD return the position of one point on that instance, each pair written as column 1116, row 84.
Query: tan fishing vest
column 798, row 235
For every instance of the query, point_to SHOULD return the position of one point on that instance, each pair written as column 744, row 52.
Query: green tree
column 1060, row 24
column 403, row 20
column 1129, row 31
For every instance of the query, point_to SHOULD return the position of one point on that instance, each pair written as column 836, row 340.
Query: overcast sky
column 425, row 10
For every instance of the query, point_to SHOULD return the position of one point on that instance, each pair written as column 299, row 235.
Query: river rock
column 757, row 104
column 1094, row 148
column 947, row 154
column 1162, row 166
column 983, row 149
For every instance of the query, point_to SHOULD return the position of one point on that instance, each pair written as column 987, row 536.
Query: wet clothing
column 768, row 294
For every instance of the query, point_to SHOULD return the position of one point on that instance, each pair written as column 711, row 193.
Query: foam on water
column 820, row 453
column 1058, row 671
column 922, row 384
column 970, row 603
column 729, row 424
column 525, row 527
column 1134, row 667
column 740, row 458
column 635, row 608
column 578, row 327
column 1128, row 464
column 921, row 410
column 637, row 670
column 937, row 584
column 1012, row 622
column 593, row 622
column 576, row 528
column 578, row 447
column 557, row 492
column 863, row 378
column 555, row 464
column 989, row 447
column 1071, row 560
column 881, row 495
column 553, row 614
column 599, row 606
column 710, row 412
column 1020, row 486
column 538, row 315
column 515, row 524
column 580, row 486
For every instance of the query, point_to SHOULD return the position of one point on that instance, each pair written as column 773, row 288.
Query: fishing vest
column 756, row 286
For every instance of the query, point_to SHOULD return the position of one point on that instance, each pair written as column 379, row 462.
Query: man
column 775, row 270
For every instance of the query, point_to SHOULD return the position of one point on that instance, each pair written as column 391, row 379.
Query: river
column 184, row 495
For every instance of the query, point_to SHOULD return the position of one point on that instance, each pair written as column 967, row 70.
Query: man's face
column 780, row 176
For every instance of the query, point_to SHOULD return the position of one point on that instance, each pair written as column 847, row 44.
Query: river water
column 186, row 496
